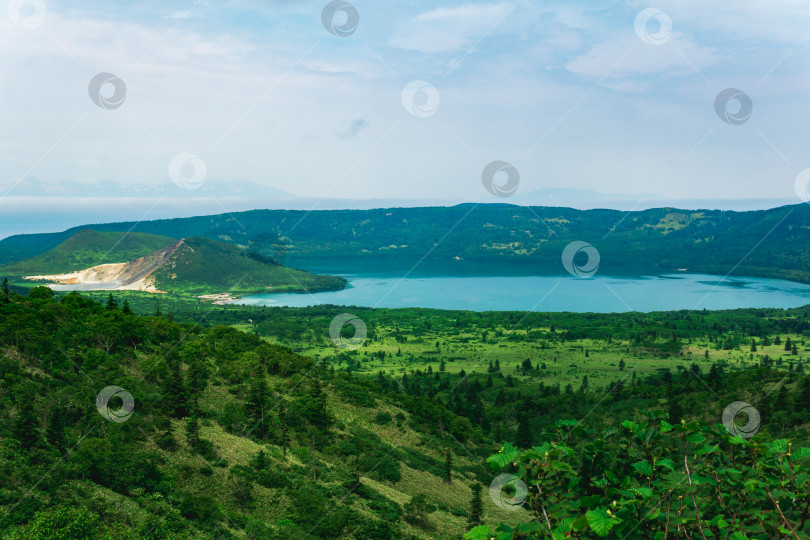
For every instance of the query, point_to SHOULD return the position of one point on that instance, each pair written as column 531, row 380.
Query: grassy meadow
column 401, row 341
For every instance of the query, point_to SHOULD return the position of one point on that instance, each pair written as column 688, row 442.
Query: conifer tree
column 284, row 436
column 197, row 379
column 320, row 415
column 765, row 408
column 55, row 432
column 24, row 428
column 584, row 386
column 523, row 438
column 193, row 433
column 713, row 380
column 476, row 514
column 675, row 411
column 174, row 392
column 782, row 399
column 256, row 406
column 259, row 461
column 802, row 404
column 618, row 391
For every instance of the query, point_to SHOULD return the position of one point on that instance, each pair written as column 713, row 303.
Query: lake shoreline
column 557, row 293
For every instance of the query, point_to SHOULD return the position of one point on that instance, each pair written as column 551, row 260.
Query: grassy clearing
column 552, row 363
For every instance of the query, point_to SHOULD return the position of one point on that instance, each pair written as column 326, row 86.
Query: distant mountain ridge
column 36, row 207
column 764, row 243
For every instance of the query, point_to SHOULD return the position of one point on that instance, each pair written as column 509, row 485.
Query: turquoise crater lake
column 479, row 290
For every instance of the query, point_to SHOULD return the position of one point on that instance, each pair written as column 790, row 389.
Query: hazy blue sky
column 567, row 92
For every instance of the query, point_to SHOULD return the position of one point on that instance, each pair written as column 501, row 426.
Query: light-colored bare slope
column 134, row 275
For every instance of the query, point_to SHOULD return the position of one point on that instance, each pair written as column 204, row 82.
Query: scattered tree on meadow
column 417, row 509
column 476, row 513
column 193, row 433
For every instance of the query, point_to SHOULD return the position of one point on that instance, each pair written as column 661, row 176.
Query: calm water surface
column 434, row 288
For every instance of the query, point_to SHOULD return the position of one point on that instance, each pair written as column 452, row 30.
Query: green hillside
column 203, row 266
column 230, row 437
column 197, row 266
column 234, row 437
column 89, row 248
column 9, row 254
column 766, row 243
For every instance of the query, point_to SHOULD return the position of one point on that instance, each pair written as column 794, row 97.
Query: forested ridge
column 662, row 239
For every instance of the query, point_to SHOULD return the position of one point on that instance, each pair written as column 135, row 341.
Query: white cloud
column 630, row 56
column 741, row 20
column 449, row 29
column 178, row 15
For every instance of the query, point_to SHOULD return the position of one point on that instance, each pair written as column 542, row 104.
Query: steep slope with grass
column 196, row 266
column 230, row 437
column 204, row 266
column 89, row 248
